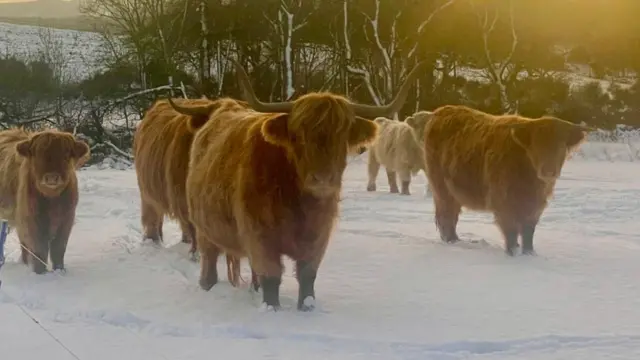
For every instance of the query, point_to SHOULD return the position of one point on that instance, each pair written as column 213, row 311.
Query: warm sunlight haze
column 320, row 180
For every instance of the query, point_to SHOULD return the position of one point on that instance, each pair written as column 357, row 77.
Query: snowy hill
column 76, row 52
column 388, row 288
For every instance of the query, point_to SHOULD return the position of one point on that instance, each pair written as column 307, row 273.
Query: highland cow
column 161, row 148
column 39, row 192
column 266, row 184
column 418, row 121
column 397, row 149
column 507, row 165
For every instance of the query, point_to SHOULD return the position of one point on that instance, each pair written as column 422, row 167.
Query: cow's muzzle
column 52, row 180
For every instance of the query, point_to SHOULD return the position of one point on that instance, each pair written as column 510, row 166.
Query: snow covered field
column 76, row 53
column 388, row 288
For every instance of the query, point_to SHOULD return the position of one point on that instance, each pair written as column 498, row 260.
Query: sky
column 15, row 1
column 41, row 8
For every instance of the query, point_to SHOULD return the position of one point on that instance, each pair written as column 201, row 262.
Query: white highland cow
column 399, row 149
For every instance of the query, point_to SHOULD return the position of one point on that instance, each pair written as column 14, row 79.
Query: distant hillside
column 41, row 9
column 80, row 22
column 79, row 52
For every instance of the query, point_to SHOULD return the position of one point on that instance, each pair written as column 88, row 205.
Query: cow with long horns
column 266, row 182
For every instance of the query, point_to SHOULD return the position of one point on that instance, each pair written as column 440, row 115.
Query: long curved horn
column 250, row 95
column 372, row 111
column 199, row 110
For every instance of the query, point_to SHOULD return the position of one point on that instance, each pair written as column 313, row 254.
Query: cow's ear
column 411, row 121
column 362, row 133
column 276, row 130
column 80, row 149
column 522, row 133
column 24, row 148
column 575, row 136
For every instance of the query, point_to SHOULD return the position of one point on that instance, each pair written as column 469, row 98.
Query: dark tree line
column 495, row 55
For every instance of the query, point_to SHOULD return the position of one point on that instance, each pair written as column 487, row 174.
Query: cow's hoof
column 194, row 256
column 269, row 308
column 308, row 304
column 510, row 251
column 206, row 285
column 39, row 268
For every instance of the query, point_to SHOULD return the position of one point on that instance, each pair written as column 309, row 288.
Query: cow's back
column 219, row 152
column 10, row 163
column 161, row 155
column 472, row 151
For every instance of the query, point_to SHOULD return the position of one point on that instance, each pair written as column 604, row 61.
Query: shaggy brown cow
column 267, row 184
column 161, row 148
column 399, row 151
column 39, row 191
column 505, row 164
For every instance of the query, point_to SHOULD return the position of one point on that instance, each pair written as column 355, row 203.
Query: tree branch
column 426, row 22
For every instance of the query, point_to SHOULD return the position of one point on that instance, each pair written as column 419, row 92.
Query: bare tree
column 129, row 18
column 498, row 71
column 286, row 25
column 169, row 27
column 316, row 66
column 380, row 78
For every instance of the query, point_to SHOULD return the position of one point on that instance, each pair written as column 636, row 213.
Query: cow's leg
column 405, row 179
column 59, row 243
column 39, row 235
column 151, row 222
column 307, row 270
column 428, row 188
column 306, row 274
column 189, row 237
column 509, row 229
column 209, row 253
column 267, row 264
column 447, row 213
column 447, row 210
column 24, row 254
column 233, row 270
column 186, row 233
column 39, row 256
column 373, row 168
column 527, row 230
column 255, row 280
column 393, row 183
